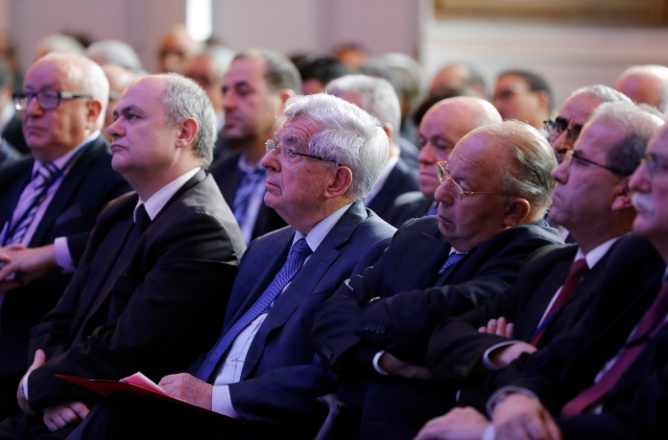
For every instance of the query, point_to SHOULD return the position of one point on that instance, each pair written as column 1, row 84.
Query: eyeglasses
column 47, row 99
column 559, row 125
column 289, row 153
column 655, row 163
column 572, row 154
column 456, row 191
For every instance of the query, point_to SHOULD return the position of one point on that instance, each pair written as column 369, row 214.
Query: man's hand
column 519, row 416
column 26, row 264
column 188, row 388
column 59, row 416
column 505, row 355
column 398, row 367
column 458, row 424
column 499, row 327
column 37, row 362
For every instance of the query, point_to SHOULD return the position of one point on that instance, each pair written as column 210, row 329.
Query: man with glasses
column 496, row 189
column 557, row 284
column 325, row 158
column 49, row 203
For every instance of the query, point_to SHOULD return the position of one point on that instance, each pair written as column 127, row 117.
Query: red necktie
column 647, row 328
column 578, row 270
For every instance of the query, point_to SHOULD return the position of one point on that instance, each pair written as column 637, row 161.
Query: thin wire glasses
column 572, row 154
column 456, row 191
column 47, row 99
column 289, row 152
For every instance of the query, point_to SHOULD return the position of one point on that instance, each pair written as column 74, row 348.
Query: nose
column 560, row 173
column 640, row 179
column 270, row 160
column 427, row 155
column 442, row 194
column 33, row 107
column 229, row 100
column 115, row 129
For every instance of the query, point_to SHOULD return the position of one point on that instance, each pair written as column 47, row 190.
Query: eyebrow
column 125, row 110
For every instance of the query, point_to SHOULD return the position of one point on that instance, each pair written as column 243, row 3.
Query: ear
column 340, row 183
column 389, row 130
column 622, row 198
column 285, row 94
column 187, row 131
column 517, row 212
column 93, row 110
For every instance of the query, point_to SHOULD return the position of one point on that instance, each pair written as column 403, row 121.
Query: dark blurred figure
column 522, row 95
column 456, row 75
column 317, row 71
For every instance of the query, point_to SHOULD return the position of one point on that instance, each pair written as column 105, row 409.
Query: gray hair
column 281, row 73
column 114, row 52
column 376, row 95
column 602, row 93
column 60, row 43
column 638, row 123
column 530, row 171
column 349, row 136
column 84, row 74
column 184, row 99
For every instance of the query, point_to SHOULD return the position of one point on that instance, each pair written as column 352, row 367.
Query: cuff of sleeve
column 376, row 367
column 502, row 393
column 489, row 365
column 62, row 254
column 221, row 401
column 24, row 385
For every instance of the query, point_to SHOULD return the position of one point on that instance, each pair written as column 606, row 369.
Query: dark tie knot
column 141, row 217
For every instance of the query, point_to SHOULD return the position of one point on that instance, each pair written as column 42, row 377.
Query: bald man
column 646, row 84
column 444, row 124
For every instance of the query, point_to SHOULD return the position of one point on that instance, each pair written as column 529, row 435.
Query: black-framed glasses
column 289, row 152
column 456, row 191
column 47, row 99
column 559, row 125
column 655, row 163
column 573, row 154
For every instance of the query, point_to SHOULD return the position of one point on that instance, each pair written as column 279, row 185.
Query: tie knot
column 45, row 172
column 579, row 269
column 141, row 217
column 301, row 248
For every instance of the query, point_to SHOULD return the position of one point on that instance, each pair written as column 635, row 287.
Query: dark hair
column 535, row 82
column 280, row 74
column 321, row 67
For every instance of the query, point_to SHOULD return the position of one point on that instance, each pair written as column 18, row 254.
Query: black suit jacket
column 13, row 133
column 635, row 407
column 409, row 205
column 226, row 174
column 456, row 347
column 156, row 310
column 402, row 179
column 84, row 191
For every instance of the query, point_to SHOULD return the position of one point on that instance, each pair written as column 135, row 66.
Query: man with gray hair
column 263, row 370
column 495, row 189
column 49, row 202
column 647, row 84
column 377, row 96
column 158, row 268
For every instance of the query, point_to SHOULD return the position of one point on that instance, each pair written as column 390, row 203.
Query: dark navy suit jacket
column 402, row 179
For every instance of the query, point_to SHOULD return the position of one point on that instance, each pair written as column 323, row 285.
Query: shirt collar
column 62, row 160
column 595, row 255
column 318, row 234
column 157, row 201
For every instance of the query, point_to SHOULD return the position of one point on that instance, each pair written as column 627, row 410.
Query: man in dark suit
column 554, row 289
column 255, row 89
column 43, row 230
column 441, row 128
column 377, row 96
column 264, row 369
column 157, row 270
column 606, row 378
column 487, row 225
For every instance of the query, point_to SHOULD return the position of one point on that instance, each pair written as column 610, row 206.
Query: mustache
column 643, row 202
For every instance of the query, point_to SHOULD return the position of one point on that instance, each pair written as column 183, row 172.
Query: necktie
column 452, row 260
column 36, row 197
column 244, row 193
column 295, row 261
column 578, row 270
column 649, row 326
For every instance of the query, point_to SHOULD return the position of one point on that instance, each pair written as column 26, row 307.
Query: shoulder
column 10, row 171
column 530, row 232
column 224, row 164
column 375, row 228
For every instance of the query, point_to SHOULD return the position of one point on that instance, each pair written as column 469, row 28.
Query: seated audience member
column 58, row 43
column 175, row 50
column 316, row 71
column 606, row 378
column 456, row 75
column 524, row 96
column 575, row 113
column 119, row 79
column 351, row 54
column 442, row 127
column 158, row 267
column 556, row 285
column 376, row 96
column 11, row 133
column 115, row 52
column 495, row 191
column 440, row 95
column 646, row 84
column 255, row 89
column 49, row 202
column 264, row 370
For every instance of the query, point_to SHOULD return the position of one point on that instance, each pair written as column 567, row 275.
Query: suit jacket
column 282, row 375
column 155, row 309
column 84, row 191
column 402, row 179
column 456, row 347
column 13, row 134
column 226, row 174
column 635, row 407
column 409, row 205
column 349, row 329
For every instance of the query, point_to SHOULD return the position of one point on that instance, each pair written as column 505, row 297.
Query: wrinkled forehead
column 297, row 132
column 579, row 108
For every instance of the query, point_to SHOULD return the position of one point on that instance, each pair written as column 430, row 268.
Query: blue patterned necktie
column 244, row 193
column 295, row 261
column 453, row 259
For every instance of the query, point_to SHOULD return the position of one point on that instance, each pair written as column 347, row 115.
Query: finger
column 7, row 269
column 501, row 326
column 80, row 409
column 510, row 329
column 39, row 359
column 482, row 329
column 553, row 429
column 49, row 422
column 491, row 326
column 16, row 247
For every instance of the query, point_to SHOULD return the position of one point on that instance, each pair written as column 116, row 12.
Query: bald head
column 444, row 124
column 645, row 85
